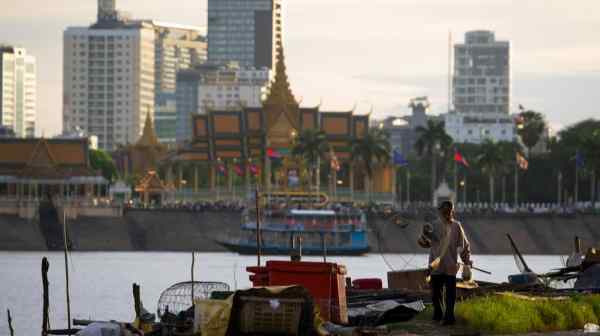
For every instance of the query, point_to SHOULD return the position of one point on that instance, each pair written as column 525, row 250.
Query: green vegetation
column 102, row 161
column 506, row 314
column 371, row 149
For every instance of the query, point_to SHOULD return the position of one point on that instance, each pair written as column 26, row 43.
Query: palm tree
column 433, row 140
column 369, row 150
column 531, row 128
column 491, row 160
column 311, row 145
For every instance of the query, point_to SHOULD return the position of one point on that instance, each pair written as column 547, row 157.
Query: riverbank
column 180, row 230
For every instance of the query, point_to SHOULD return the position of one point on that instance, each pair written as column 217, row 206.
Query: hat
column 446, row 205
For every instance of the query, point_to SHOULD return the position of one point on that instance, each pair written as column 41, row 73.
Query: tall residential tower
column 481, row 90
column 17, row 91
column 118, row 70
column 248, row 32
column 482, row 74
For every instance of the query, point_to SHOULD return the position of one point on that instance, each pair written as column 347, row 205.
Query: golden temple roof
column 280, row 99
column 148, row 138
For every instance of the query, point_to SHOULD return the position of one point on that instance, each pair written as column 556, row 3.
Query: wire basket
column 279, row 316
column 178, row 297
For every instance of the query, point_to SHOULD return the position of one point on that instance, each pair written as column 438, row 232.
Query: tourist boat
column 322, row 229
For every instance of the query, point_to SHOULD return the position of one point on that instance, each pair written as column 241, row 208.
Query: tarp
column 211, row 317
column 101, row 329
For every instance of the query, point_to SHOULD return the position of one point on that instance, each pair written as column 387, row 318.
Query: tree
column 311, row 145
column 433, row 141
column 102, row 161
column 491, row 159
column 369, row 150
column 585, row 138
column 531, row 128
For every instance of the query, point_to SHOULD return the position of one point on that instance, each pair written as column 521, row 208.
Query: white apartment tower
column 481, row 91
column 17, row 90
column 108, row 80
column 245, row 31
column 481, row 74
column 117, row 71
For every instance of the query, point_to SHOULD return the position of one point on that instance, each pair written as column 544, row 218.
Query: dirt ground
column 430, row 328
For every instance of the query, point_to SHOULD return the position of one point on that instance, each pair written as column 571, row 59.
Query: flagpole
column 465, row 188
column 456, row 181
column 407, row 186
column 559, row 186
column 516, row 183
column 576, row 197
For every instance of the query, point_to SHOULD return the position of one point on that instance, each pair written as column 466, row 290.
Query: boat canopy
column 300, row 212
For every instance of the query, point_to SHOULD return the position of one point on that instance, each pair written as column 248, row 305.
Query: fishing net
column 178, row 297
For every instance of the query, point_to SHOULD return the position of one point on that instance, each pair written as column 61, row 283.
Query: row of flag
column 522, row 162
column 238, row 169
column 398, row 160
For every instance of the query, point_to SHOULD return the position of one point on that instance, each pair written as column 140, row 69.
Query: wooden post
column 193, row 260
column 45, row 319
column 258, row 242
column 10, row 327
column 66, row 241
column 351, row 182
column 137, row 303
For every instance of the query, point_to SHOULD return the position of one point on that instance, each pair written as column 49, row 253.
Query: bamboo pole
column 258, row 242
column 45, row 320
column 10, row 327
column 65, row 239
column 137, row 303
column 193, row 260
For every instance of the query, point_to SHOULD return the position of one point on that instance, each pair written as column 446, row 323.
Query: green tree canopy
column 373, row 148
column 311, row 145
column 102, row 161
column 532, row 128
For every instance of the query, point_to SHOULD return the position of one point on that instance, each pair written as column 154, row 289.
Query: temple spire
column 148, row 137
column 280, row 93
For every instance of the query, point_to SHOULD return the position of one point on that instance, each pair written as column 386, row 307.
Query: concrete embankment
column 487, row 234
column 171, row 230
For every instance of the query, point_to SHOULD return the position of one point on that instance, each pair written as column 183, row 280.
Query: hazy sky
column 380, row 52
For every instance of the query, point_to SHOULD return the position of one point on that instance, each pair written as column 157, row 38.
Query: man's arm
column 425, row 238
column 464, row 245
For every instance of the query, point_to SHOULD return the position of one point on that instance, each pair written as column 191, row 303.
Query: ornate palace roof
column 148, row 138
column 281, row 101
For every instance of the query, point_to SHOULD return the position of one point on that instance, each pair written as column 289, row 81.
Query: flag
column 254, row 169
column 399, row 159
column 522, row 161
column 460, row 159
column 335, row 164
column 238, row 170
column 273, row 153
column 579, row 160
column 221, row 169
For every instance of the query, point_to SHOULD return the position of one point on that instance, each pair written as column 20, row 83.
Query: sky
column 375, row 53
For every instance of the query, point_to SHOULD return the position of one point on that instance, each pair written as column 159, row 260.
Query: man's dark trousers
column 438, row 282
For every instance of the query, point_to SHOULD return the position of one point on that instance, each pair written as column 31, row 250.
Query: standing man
column 445, row 239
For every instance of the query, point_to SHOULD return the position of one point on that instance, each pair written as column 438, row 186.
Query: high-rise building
column 108, row 81
column 226, row 87
column 17, row 91
column 119, row 70
column 481, row 90
column 245, row 31
column 177, row 47
column 482, row 74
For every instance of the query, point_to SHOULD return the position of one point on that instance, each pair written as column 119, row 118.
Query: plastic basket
column 265, row 316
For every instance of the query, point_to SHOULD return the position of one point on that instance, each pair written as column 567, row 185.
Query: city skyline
column 385, row 64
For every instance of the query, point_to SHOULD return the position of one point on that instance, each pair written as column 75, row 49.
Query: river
column 101, row 282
